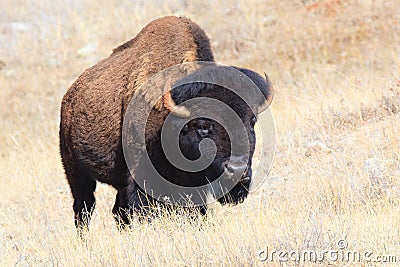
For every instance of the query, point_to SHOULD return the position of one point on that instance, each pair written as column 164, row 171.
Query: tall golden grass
column 335, row 68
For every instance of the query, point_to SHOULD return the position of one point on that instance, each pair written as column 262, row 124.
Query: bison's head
column 232, row 165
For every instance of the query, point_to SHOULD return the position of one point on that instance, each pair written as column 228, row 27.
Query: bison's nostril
column 235, row 169
column 236, row 164
column 245, row 179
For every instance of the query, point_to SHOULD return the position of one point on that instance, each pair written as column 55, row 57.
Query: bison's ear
column 264, row 93
column 170, row 105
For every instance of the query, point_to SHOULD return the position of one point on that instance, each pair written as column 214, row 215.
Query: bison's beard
column 237, row 194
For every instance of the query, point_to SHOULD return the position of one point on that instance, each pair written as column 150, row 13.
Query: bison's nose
column 245, row 179
column 235, row 168
column 236, row 165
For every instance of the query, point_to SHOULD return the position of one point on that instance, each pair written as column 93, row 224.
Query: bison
column 95, row 106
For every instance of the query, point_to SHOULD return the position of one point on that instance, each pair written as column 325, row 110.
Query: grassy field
column 335, row 66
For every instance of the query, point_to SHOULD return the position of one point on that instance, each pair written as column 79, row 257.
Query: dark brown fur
column 93, row 109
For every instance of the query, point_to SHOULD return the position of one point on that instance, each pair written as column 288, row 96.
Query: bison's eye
column 185, row 129
column 204, row 127
column 253, row 121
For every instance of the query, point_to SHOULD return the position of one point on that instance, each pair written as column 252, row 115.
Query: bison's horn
column 169, row 103
column 271, row 88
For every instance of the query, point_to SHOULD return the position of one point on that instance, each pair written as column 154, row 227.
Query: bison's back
column 92, row 109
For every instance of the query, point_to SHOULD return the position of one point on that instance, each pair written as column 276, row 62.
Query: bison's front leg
column 129, row 201
column 121, row 209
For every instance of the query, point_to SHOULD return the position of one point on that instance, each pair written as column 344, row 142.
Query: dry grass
column 335, row 66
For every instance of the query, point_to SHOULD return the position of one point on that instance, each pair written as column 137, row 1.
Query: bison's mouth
column 236, row 178
column 236, row 169
column 237, row 194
